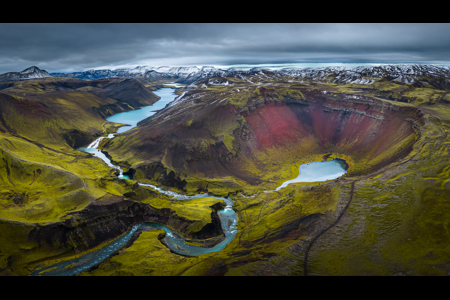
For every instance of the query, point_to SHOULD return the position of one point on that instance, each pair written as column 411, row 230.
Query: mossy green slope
column 398, row 221
column 43, row 178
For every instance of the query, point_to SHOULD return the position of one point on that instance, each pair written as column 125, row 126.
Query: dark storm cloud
column 71, row 47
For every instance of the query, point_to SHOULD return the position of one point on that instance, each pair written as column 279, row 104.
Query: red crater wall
column 379, row 134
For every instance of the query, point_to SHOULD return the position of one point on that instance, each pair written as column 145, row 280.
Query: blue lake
column 318, row 171
column 134, row 116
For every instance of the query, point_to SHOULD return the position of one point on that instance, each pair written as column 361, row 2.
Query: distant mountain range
column 406, row 73
column 178, row 74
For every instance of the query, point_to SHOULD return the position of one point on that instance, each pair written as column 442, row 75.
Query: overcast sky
column 79, row 47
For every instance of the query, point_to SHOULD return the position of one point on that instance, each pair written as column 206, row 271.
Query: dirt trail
column 305, row 261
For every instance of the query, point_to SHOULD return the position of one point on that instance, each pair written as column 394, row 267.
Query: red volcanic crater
column 376, row 133
column 370, row 132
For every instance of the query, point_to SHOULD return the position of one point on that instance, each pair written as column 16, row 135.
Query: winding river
column 310, row 172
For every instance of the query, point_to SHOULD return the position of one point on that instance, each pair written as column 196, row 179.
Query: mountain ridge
column 366, row 75
column 406, row 73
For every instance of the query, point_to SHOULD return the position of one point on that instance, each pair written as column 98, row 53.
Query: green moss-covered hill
column 56, row 201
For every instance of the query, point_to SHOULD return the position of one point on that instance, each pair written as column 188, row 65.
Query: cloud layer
column 77, row 47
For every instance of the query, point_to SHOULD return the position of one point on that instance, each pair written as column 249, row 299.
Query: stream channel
column 310, row 172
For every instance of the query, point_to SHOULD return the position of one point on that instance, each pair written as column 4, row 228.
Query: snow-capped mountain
column 29, row 73
column 139, row 70
column 92, row 74
column 182, row 74
column 155, row 73
column 205, row 72
column 174, row 73
column 406, row 73
column 178, row 71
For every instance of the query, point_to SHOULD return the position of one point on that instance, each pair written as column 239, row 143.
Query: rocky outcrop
column 214, row 228
column 109, row 218
column 159, row 173
column 329, row 109
column 76, row 138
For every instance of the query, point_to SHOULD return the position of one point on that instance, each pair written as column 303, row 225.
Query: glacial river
column 310, row 172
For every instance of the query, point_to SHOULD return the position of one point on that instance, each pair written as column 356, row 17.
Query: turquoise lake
column 318, row 171
column 134, row 116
